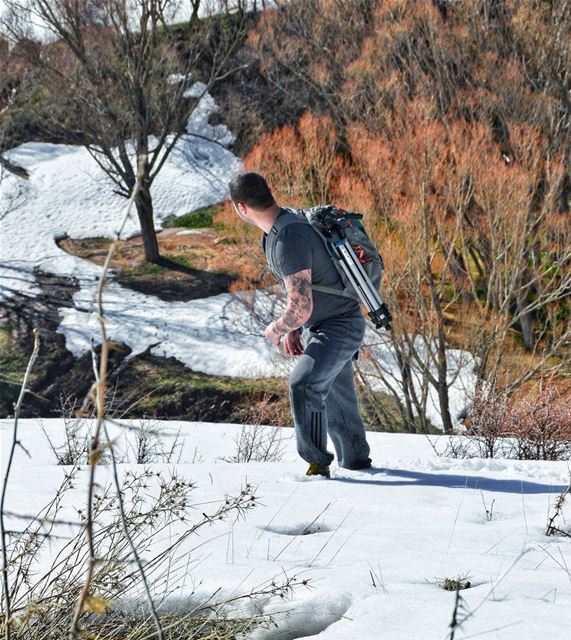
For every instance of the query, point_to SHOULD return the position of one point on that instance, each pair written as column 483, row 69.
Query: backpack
column 340, row 230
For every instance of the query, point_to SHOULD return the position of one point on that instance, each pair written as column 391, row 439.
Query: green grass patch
column 199, row 219
column 239, row 385
column 13, row 361
column 227, row 384
column 152, row 269
column 147, row 269
column 166, row 389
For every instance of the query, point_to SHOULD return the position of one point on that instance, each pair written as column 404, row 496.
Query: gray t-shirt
column 298, row 247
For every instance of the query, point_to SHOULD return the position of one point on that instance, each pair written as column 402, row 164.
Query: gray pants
column 322, row 393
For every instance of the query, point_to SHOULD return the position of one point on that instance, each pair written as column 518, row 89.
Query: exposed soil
column 149, row 385
column 19, row 315
column 145, row 385
column 194, row 263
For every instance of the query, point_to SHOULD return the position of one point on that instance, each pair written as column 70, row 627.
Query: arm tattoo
column 299, row 303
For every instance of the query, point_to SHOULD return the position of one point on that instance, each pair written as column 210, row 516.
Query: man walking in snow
column 321, row 385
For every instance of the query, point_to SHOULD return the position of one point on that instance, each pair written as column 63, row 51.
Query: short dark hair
column 251, row 189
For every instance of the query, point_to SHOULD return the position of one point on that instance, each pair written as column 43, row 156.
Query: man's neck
column 266, row 220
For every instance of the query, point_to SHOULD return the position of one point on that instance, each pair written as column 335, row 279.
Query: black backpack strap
column 344, row 293
column 269, row 242
column 269, row 239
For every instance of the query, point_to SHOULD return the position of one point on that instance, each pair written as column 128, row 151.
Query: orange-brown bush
column 541, row 425
column 301, row 162
column 449, row 133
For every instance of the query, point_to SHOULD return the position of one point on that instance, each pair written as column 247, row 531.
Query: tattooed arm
column 298, row 309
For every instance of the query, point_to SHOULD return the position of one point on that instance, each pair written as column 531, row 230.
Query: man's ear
column 240, row 208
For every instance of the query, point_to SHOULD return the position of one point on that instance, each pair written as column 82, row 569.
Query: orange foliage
column 300, row 163
column 431, row 145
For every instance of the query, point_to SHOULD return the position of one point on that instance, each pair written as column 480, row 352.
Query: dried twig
column 551, row 528
column 127, row 535
column 15, row 443
column 95, row 448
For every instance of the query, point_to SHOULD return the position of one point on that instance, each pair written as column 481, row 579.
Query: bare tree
column 8, row 93
column 543, row 44
column 116, row 79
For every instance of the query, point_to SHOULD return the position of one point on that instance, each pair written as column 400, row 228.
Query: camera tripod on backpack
column 376, row 308
column 335, row 224
column 354, row 255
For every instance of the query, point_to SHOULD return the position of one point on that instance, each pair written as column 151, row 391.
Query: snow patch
column 406, row 530
column 206, row 335
column 304, row 618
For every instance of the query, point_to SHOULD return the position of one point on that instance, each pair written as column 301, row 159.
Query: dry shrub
column 239, row 231
column 451, row 189
column 557, row 523
column 265, row 409
column 488, row 422
column 352, row 193
column 44, row 597
column 434, row 126
column 256, row 443
column 241, row 249
column 534, row 427
column 299, row 162
column 541, row 424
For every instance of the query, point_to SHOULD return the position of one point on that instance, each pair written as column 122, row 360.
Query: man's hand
column 293, row 345
column 272, row 334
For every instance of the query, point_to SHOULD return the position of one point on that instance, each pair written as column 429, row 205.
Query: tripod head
column 331, row 221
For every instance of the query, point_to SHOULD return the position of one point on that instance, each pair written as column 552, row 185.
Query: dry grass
column 206, row 250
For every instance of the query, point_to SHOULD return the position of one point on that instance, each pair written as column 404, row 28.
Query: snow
column 219, row 336
column 68, row 194
column 199, row 126
column 203, row 334
column 413, row 520
column 381, row 366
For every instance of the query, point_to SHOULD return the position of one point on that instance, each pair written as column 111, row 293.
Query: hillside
column 152, row 485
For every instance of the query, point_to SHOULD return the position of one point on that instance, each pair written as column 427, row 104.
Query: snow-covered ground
column 68, row 194
column 406, row 525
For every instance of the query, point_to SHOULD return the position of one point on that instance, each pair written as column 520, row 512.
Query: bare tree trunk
column 407, row 387
column 565, row 188
column 144, row 206
column 195, row 4
column 526, row 320
column 442, row 363
column 443, row 399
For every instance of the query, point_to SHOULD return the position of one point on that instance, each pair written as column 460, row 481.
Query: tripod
column 357, row 276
